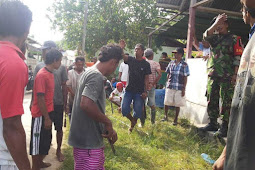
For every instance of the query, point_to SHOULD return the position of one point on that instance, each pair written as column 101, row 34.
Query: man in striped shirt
column 153, row 80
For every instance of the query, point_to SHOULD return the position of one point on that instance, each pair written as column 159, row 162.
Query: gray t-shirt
column 60, row 76
column 38, row 67
column 86, row 133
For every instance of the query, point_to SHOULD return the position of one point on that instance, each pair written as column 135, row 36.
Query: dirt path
column 26, row 120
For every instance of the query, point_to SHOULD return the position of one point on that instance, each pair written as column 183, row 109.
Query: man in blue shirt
column 177, row 72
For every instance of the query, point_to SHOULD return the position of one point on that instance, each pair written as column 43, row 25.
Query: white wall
column 157, row 54
column 196, row 102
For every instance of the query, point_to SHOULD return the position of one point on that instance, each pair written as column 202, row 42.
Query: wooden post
column 84, row 28
column 191, row 29
column 149, row 41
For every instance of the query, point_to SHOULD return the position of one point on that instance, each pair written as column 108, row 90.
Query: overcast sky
column 41, row 26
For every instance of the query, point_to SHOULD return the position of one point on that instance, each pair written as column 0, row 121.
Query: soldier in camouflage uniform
column 222, row 68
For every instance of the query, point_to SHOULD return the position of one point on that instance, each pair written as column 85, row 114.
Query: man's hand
column 183, row 92
column 122, row 44
column 47, row 123
column 72, row 94
column 110, row 133
column 205, row 57
column 30, row 107
column 144, row 95
column 108, row 130
column 218, row 165
column 221, row 18
column 114, row 137
column 233, row 80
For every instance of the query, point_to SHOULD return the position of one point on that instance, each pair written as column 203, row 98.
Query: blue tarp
column 159, row 97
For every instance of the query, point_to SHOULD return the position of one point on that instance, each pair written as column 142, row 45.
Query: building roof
column 204, row 15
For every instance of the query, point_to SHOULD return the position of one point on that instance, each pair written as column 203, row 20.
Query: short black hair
column 52, row 56
column 15, row 18
column 141, row 46
column 79, row 59
column 165, row 54
column 111, row 51
column 127, row 54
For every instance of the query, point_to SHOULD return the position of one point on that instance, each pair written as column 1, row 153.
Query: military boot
column 212, row 126
column 223, row 130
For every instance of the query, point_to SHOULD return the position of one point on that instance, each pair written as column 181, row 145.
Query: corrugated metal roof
column 179, row 30
column 230, row 5
column 170, row 2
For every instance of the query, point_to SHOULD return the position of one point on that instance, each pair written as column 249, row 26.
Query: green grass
column 159, row 146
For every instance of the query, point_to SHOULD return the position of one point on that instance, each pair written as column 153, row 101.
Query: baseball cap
column 119, row 84
column 148, row 52
column 49, row 44
column 178, row 50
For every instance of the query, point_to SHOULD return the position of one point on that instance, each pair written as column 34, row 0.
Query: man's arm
column 92, row 110
column 146, row 82
column 196, row 43
column 64, row 91
column 184, row 85
column 219, row 164
column 69, row 84
column 43, row 110
column 146, row 87
column 221, row 18
column 233, row 80
column 15, row 139
column 120, row 74
column 70, row 90
column 37, row 68
column 158, row 76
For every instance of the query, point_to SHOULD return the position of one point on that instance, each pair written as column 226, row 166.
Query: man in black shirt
column 136, row 91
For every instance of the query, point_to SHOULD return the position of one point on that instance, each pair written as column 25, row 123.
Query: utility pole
column 84, row 27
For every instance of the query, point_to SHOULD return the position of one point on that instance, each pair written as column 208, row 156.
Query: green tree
column 107, row 20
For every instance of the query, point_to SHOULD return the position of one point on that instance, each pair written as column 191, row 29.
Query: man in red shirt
column 15, row 21
column 42, row 109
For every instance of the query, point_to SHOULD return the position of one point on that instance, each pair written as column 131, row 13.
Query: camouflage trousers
column 219, row 89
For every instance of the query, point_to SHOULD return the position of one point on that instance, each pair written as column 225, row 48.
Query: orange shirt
column 43, row 85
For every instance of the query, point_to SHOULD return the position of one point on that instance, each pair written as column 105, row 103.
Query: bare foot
column 119, row 109
column 133, row 123
column 45, row 165
column 60, row 156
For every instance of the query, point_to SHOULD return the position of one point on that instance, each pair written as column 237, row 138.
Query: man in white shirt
column 123, row 72
column 73, row 81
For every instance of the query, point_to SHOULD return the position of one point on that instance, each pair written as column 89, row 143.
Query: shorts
column 88, row 159
column 8, row 167
column 174, row 98
column 40, row 139
column 138, row 104
column 57, row 117
column 151, row 98
column 124, row 83
column 116, row 99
